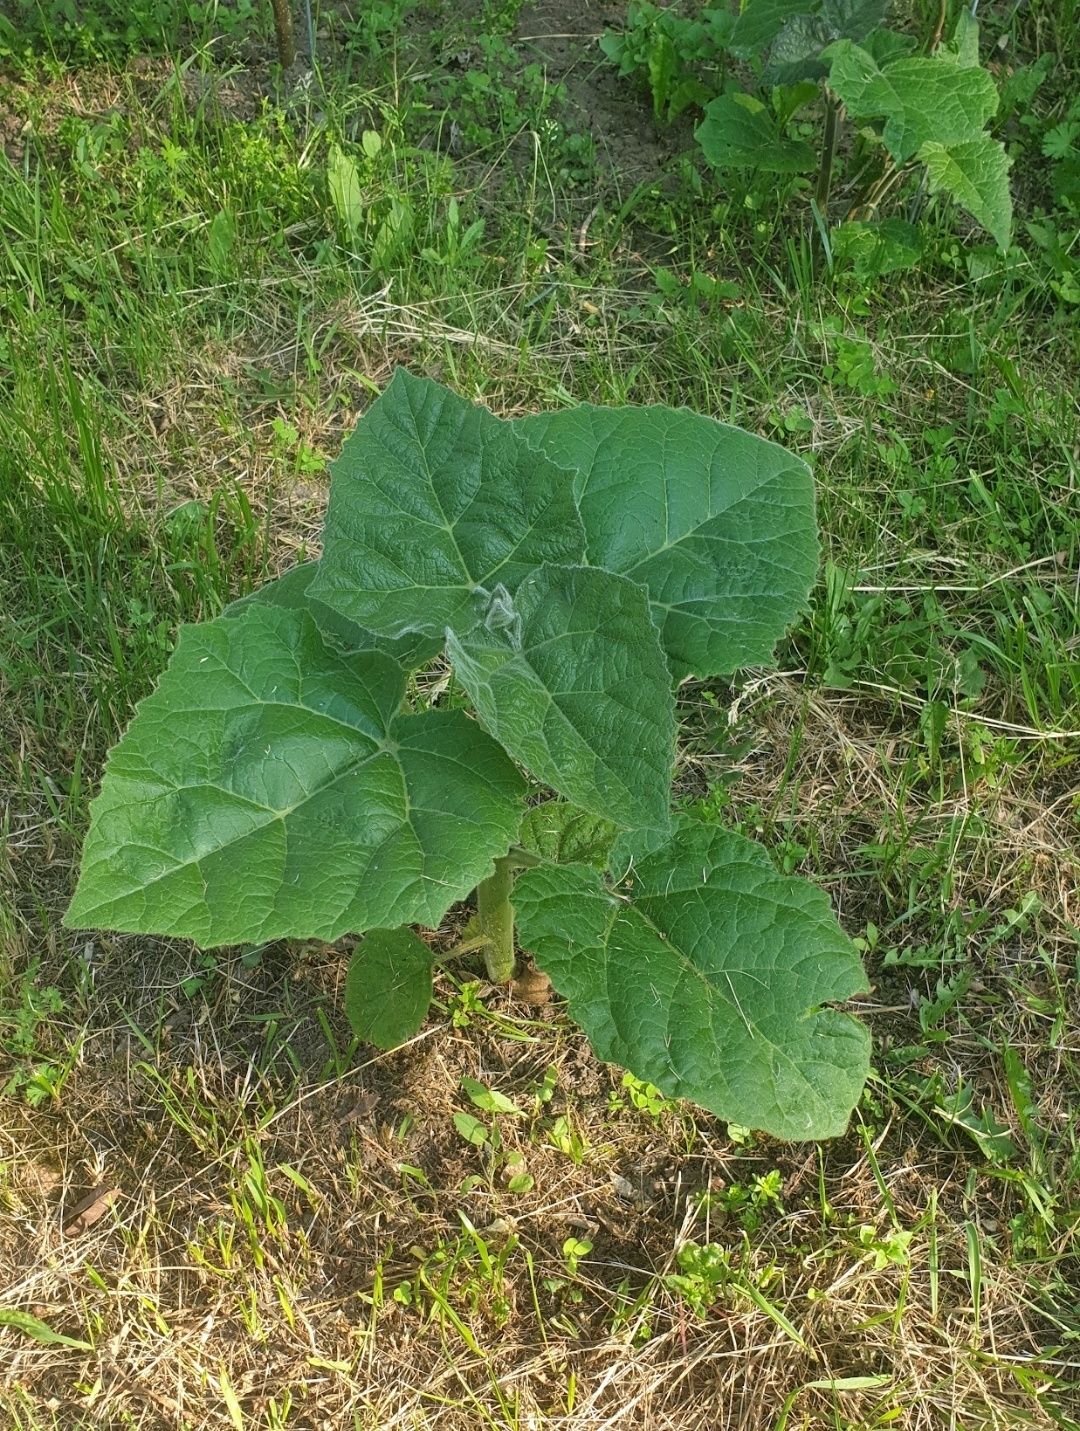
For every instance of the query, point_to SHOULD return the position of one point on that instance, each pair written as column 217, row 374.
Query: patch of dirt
column 564, row 36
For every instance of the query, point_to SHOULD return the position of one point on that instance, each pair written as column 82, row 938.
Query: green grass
column 191, row 318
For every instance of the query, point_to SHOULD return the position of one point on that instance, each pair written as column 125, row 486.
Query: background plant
column 925, row 113
column 674, row 53
column 66, row 29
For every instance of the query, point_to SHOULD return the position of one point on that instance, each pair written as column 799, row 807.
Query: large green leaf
column 717, row 523
column 708, row 978
column 790, row 34
column 884, row 46
column 921, row 98
column 760, row 21
column 976, row 175
column 560, row 833
column 854, row 19
column 738, row 132
column 795, row 53
column 433, row 504
column 292, row 591
column 388, row 986
column 269, row 788
column 569, row 677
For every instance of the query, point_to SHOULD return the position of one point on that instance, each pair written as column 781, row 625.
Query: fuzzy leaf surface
column 570, row 679
column 795, row 53
column 790, row 34
column 708, row 980
column 270, row 788
column 717, row 523
column 433, row 498
column 388, row 986
column 976, row 175
column 562, row 834
column 854, row 19
column 760, row 21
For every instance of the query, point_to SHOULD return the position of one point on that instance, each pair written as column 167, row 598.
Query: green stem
column 828, row 153
column 495, row 919
column 283, row 30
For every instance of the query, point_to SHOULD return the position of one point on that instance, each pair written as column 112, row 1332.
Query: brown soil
column 631, row 147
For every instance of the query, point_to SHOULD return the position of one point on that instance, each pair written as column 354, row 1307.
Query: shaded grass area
column 305, row 1236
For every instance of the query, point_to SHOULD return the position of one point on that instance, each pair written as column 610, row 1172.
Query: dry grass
column 271, row 1206
column 182, row 1304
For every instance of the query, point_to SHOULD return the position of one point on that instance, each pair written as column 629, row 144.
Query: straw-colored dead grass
column 182, row 1307
column 198, row 1299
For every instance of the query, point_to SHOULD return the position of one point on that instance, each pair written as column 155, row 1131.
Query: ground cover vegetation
column 219, row 1205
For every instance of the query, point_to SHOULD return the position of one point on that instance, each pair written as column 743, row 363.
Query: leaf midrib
column 382, row 748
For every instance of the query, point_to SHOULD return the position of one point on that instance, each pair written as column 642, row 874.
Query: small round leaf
column 388, row 986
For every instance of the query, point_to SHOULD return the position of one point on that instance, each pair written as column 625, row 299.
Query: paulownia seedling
column 287, row 778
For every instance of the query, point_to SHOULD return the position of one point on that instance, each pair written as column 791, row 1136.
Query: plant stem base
column 495, row 920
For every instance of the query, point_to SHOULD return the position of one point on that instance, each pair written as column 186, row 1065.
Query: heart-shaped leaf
column 707, row 978
column 716, row 522
column 921, row 97
column 569, row 677
column 434, row 503
column 269, row 788
column 388, row 986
